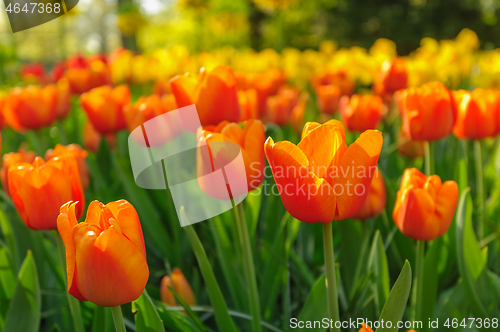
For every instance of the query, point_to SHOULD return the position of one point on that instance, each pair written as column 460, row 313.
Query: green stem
column 429, row 160
column 478, row 156
column 417, row 296
column 222, row 317
column 331, row 283
column 248, row 267
column 74, row 304
column 118, row 319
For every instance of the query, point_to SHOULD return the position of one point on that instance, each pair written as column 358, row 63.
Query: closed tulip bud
column 75, row 151
column 21, row 156
column 360, row 113
column 39, row 190
column 429, row 112
column 31, row 107
column 365, row 328
column 63, row 98
column 424, row 205
column 215, row 95
column 322, row 174
column 248, row 101
column 478, row 114
column 104, row 108
column 105, row 254
column 393, row 77
column 328, row 98
column 375, row 202
column 298, row 112
column 250, row 138
column 178, row 282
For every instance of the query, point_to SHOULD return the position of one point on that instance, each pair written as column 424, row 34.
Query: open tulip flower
column 478, row 114
column 75, row 151
column 360, row 113
column 375, row 202
column 215, row 95
column 429, row 112
column 321, row 179
column 105, row 254
column 31, row 107
column 104, row 107
column 39, row 190
column 178, row 282
column 425, row 206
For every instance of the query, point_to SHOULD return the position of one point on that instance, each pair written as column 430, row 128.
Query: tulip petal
column 305, row 196
column 111, row 270
column 66, row 221
column 183, row 88
column 421, row 223
column 355, row 173
column 446, row 203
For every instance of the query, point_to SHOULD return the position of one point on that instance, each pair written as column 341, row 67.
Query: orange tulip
column 75, row 151
column 265, row 84
column 393, row 77
column 336, row 78
column 429, row 112
column 408, row 147
column 365, row 328
column 105, row 254
column 250, row 138
column 478, row 114
column 321, row 179
column 104, row 107
column 298, row 112
column 39, row 190
column 248, row 100
column 215, row 95
column 31, row 107
column 21, row 156
column 375, row 202
column 86, row 76
column 328, row 98
column 281, row 105
column 63, row 98
column 360, row 113
column 180, row 285
column 424, row 206
column 2, row 118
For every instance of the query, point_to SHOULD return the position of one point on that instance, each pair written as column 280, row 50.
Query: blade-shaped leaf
column 146, row 317
column 379, row 269
column 395, row 306
column 24, row 312
column 315, row 308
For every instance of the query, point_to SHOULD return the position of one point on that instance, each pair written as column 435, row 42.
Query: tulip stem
column 118, row 319
column 478, row 156
column 417, row 296
column 74, row 304
column 331, row 283
column 429, row 158
column 248, row 266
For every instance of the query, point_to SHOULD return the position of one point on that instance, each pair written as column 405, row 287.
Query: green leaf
column 190, row 312
column 24, row 312
column 395, row 306
column 315, row 308
column 430, row 281
column 379, row 269
column 224, row 320
column 464, row 222
column 146, row 317
column 102, row 320
column 176, row 321
column 252, row 209
column 7, row 284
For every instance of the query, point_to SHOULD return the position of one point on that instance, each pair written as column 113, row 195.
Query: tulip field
column 367, row 197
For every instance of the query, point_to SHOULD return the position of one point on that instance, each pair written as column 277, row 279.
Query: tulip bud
column 180, row 285
column 424, row 205
column 105, row 255
column 360, row 113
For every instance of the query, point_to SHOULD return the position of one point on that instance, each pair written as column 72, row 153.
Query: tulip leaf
column 176, row 321
column 224, row 320
column 252, row 209
column 102, row 320
column 315, row 308
column 464, row 222
column 146, row 316
column 395, row 305
column 24, row 312
column 7, row 283
column 190, row 312
column 379, row 268
column 430, row 281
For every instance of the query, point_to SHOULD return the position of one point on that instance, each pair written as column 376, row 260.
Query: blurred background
column 100, row 26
